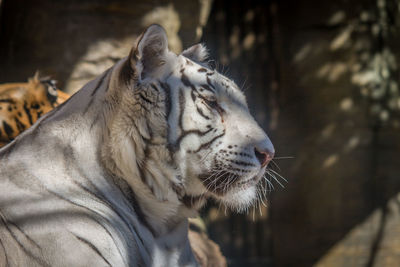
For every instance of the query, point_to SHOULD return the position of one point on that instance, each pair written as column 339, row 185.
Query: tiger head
column 22, row 104
column 198, row 136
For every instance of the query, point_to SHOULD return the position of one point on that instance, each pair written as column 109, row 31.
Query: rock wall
column 323, row 81
column 74, row 41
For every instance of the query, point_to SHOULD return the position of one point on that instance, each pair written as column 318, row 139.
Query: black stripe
column 202, row 70
column 35, row 106
column 25, row 234
column 100, row 82
column 8, row 129
column 241, row 163
column 181, row 108
column 186, row 133
column 193, row 227
column 139, row 212
column 100, row 197
column 96, row 119
column 145, row 99
column 7, row 100
column 185, row 80
column 210, row 142
column 93, row 247
column 28, row 252
column 193, row 95
column 28, row 112
column 154, row 87
column 5, row 253
column 205, row 86
column 209, row 83
column 93, row 212
column 200, row 111
column 168, row 106
column 97, row 87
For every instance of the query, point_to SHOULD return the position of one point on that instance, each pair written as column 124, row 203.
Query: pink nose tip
column 264, row 157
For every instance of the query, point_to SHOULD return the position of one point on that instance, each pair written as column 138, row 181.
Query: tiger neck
column 156, row 203
column 140, row 158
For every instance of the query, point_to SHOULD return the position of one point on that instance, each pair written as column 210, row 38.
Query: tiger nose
column 263, row 156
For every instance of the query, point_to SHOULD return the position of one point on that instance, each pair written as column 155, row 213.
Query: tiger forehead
column 199, row 77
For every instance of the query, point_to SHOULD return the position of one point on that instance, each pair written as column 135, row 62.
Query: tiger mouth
column 227, row 181
column 223, row 182
column 249, row 182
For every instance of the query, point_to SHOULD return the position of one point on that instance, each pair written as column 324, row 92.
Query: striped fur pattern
column 110, row 177
column 22, row 104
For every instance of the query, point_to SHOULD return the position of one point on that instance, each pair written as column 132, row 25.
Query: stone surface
column 74, row 41
column 301, row 60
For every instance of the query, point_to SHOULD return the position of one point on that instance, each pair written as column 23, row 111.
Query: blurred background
column 321, row 77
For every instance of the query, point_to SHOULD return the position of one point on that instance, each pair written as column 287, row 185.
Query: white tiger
column 110, row 177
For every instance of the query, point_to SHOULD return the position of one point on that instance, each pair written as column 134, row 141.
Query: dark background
column 322, row 79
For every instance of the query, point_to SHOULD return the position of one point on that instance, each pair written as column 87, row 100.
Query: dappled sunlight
column 330, row 161
column 234, row 42
column 327, row 76
column 346, row 104
column 370, row 242
column 249, row 41
column 249, row 16
column 328, row 130
column 353, row 142
column 303, row 52
column 332, row 71
column 337, row 18
column 343, row 39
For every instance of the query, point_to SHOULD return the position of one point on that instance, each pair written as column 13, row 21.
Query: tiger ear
column 35, row 78
column 150, row 52
column 197, row 53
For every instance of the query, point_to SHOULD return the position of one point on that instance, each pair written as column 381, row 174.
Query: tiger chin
column 110, row 177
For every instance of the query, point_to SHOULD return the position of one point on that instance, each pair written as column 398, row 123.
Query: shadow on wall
column 74, row 41
column 323, row 84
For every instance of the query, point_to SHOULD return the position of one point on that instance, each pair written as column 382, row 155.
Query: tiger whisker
column 275, row 164
column 215, row 176
column 269, row 184
column 287, row 157
column 263, row 191
column 205, row 157
column 276, row 180
column 280, row 176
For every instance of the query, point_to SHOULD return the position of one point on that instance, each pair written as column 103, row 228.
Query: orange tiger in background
column 22, row 104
